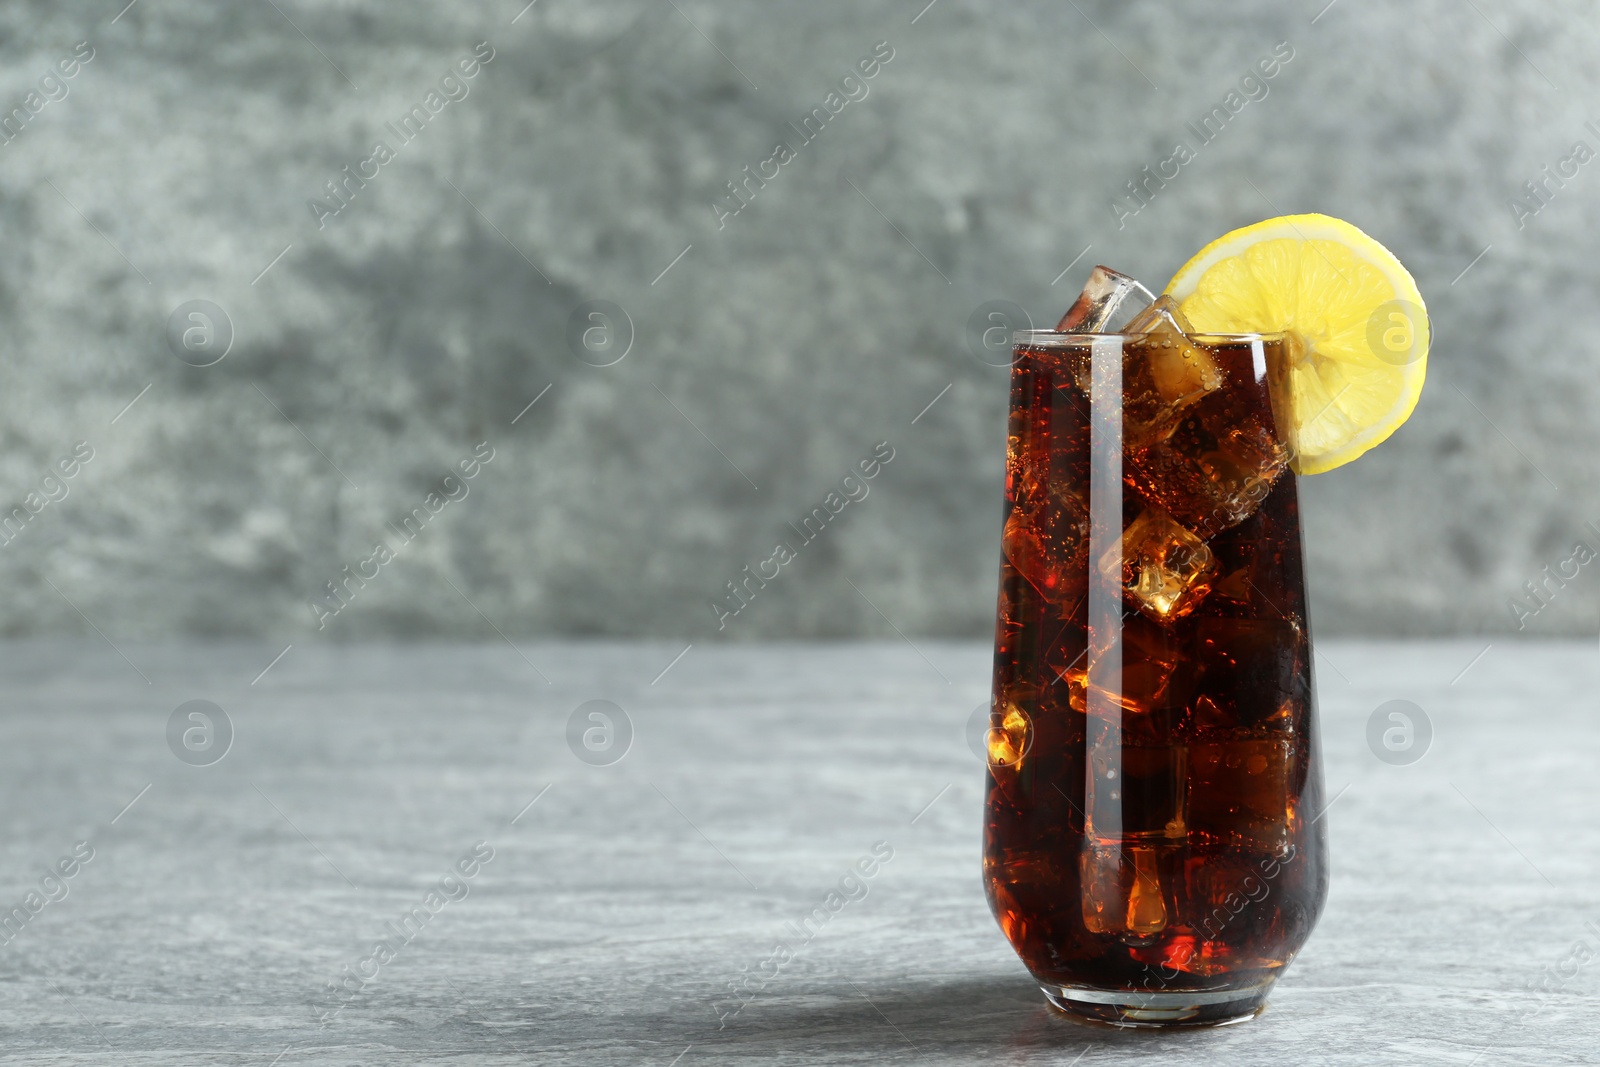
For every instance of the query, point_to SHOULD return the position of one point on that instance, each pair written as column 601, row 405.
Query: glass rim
column 1056, row 339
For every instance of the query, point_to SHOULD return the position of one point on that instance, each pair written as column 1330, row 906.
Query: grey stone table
column 224, row 912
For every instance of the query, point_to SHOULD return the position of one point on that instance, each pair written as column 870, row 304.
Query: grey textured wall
column 771, row 350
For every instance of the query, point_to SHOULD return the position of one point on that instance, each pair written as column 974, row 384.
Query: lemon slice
column 1358, row 350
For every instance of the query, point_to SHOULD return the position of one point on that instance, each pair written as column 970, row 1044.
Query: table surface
column 223, row 903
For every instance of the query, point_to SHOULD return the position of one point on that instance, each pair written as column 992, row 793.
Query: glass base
column 1124, row 1008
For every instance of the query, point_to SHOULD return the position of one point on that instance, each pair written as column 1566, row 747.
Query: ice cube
column 1122, row 890
column 1046, row 535
column 1017, row 922
column 1163, row 373
column 1037, row 872
column 1046, row 532
column 1180, row 372
column 1250, row 674
column 1137, row 791
column 1164, row 568
column 1224, row 893
column 1209, row 480
column 1236, row 584
column 1103, row 303
column 1046, row 541
column 1255, row 560
column 1035, row 642
column 1239, row 792
column 1139, row 677
column 1214, row 465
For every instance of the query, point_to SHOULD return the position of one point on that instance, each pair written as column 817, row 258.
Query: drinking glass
column 1152, row 845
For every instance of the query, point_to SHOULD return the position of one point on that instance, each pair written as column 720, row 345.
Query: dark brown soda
column 1215, row 872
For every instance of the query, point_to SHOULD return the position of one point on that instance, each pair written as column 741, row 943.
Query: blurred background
column 260, row 342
